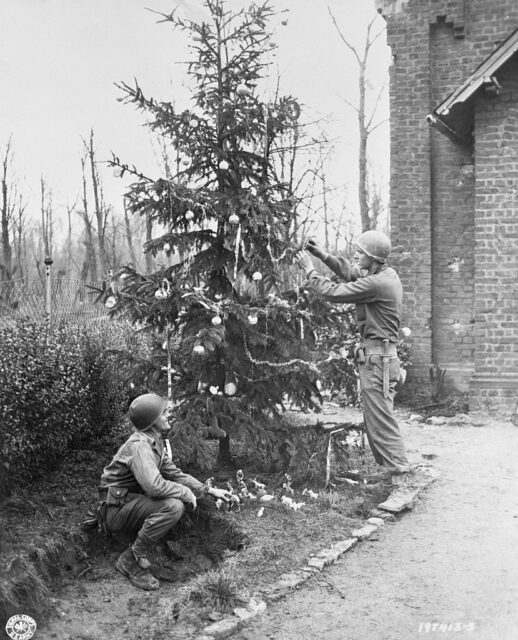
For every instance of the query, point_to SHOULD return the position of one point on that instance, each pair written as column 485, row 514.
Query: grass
column 219, row 589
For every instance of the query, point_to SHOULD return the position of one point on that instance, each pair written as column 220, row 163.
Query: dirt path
column 453, row 561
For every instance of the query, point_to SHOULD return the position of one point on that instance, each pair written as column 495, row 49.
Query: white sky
column 59, row 60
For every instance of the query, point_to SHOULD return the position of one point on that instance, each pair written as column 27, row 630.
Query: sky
column 60, row 60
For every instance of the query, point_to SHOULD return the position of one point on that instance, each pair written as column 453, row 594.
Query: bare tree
column 46, row 218
column 7, row 214
column 366, row 123
column 100, row 210
column 90, row 258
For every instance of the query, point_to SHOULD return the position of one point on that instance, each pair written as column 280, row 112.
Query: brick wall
column 496, row 244
column 454, row 206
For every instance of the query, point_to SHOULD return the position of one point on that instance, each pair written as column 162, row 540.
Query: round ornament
column 242, row 90
column 230, row 389
column 189, row 215
column 216, row 321
column 233, row 218
column 193, row 123
column 223, row 165
column 257, row 276
column 199, row 350
column 406, row 332
column 111, row 301
column 163, row 290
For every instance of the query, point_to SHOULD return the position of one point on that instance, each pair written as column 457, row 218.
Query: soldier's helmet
column 375, row 244
column 145, row 410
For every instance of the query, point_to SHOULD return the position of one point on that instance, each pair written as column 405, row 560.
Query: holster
column 385, row 359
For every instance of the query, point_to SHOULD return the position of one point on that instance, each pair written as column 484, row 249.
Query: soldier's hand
column 191, row 500
column 223, row 494
column 311, row 246
column 304, row 261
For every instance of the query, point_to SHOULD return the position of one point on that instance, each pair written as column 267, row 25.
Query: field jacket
column 141, row 465
column 378, row 296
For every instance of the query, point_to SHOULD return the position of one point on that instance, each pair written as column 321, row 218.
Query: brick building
column 454, row 188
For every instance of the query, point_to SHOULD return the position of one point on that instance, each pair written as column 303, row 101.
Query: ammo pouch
column 116, row 496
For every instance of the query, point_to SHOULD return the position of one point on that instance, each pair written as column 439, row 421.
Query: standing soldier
column 376, row 289
column 143, row 492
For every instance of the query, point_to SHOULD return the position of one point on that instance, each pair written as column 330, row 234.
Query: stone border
column 286, row 582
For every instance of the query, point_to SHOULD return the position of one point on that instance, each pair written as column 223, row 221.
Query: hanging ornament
column 213, row 390
column 252, row 319
column 216, row 321
column 301, row 321
column 257, row 276
column 111, row 301
column 193, row 123
column 117, row 172
column 288, row 317
column 155, row 197
column 199, row 350
column 186, row 162
column 218, row 296
column 163, row 290
column 242, row 90
column 284, row 23
column 233, row 218
column 202, row 386
column 167, row 246
column 223, row 165
column 165, row 345
column 189, row 215
column 230, row 388
column 238, row 245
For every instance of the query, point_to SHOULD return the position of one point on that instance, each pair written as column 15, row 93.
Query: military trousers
column 383, row 433
column 151, row 518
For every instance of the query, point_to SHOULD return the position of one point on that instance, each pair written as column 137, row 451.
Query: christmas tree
column 232, row 332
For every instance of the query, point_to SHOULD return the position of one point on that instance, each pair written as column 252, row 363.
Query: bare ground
column 449, row 569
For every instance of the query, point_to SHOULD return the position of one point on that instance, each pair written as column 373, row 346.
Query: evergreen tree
column 231, row 329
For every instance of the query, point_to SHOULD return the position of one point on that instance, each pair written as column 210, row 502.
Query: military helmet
column 375, row 244
column 145, row 410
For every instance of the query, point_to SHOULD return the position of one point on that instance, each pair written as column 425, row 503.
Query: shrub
column 57, row 389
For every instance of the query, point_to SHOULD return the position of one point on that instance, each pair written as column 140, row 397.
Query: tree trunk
column 129, row 236
column 99, row 209
column 7, row 253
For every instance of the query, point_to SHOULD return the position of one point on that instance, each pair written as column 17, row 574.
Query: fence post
column 48, row 288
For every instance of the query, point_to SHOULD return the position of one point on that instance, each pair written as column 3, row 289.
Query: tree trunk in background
column 90, row 259
column 46, row 220
column 7, row 253
column 99, row 209
column 129, row 236
column 365, row 120
column 363, row 195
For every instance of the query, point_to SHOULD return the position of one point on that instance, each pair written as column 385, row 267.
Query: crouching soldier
column 144, row 492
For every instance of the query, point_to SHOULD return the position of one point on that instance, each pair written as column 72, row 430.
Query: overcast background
column 59, row 60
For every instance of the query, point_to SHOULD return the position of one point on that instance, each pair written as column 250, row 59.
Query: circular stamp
column 20, row 627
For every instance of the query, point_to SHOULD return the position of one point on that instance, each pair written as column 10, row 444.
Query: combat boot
column 402, row 495
column 128, row 566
